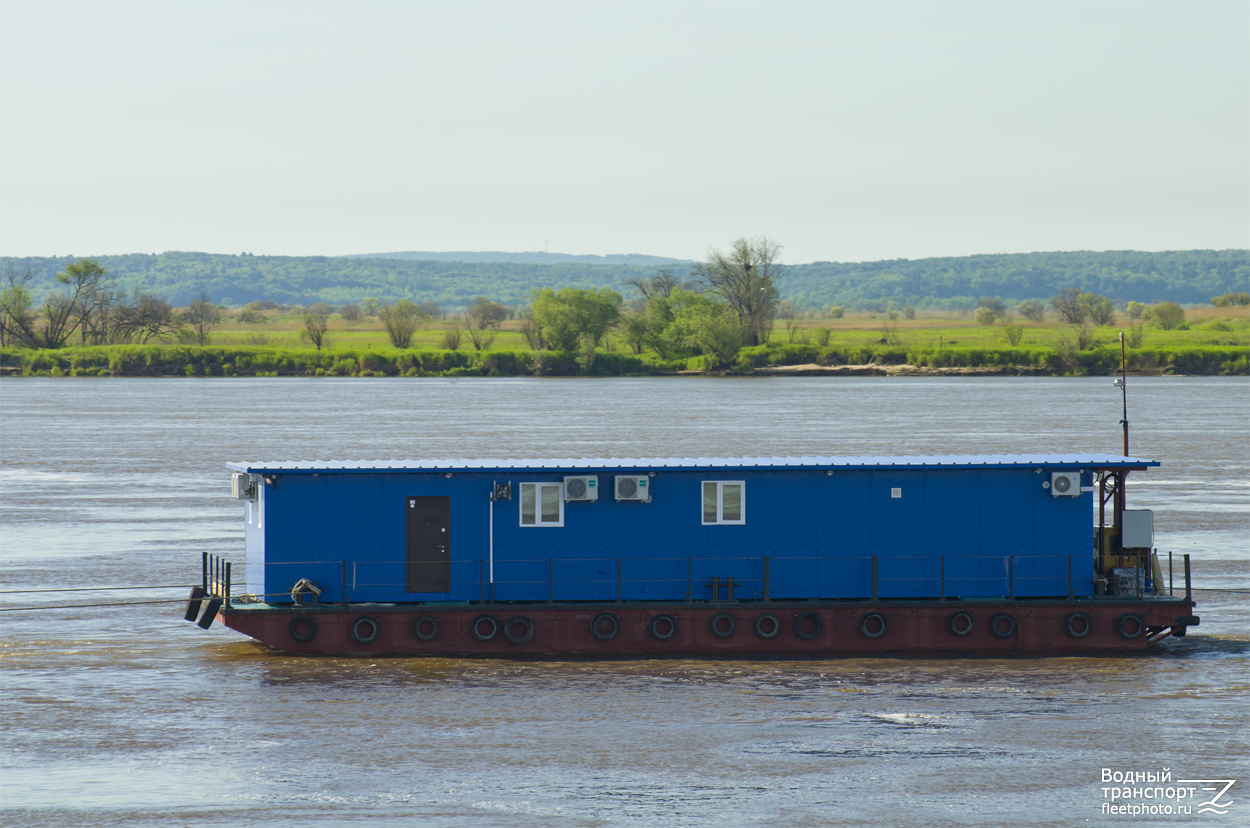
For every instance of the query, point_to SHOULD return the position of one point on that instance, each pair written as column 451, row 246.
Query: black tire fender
column 1078, row 624
column 476, row 627
column 715, row 625
column 865, row 625
column 527, row 629
column 961, row 623
column 998, row 632
column 299, row 622
column 613, row 628
column 658, row 622
column 767, row 625
column 425, row 627
column 370, row 631
column 800, row 622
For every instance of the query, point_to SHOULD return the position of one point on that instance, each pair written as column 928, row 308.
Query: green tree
column 1098, row 309
column 744, row 278
column 575, row 314
column 1168, row 315
column 17, row 316
column 401, row 320
column 1031, row 310
column 315, row 326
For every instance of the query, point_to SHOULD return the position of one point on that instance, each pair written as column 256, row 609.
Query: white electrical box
column 1137, row 529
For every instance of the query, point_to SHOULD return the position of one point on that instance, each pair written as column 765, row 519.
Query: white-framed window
column 724, row 502
column 542, row 504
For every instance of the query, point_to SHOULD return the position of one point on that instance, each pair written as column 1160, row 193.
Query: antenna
column 1123, row 386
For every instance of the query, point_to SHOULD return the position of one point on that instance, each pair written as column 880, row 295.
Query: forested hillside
column 1180, row 276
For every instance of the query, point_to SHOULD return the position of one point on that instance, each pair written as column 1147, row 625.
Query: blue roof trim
column 986, row 461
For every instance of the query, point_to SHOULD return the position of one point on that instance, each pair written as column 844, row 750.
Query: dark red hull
column 711, row 630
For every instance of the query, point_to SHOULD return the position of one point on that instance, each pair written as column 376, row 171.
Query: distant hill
column 1188, row 277
column 498, row 257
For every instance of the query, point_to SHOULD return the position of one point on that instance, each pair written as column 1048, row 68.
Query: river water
column 116, row 712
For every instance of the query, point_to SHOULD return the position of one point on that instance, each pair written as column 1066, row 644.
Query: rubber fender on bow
column 210, row 612
column 193, row 603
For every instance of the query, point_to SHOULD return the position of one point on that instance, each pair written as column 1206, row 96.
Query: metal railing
column 747, row 578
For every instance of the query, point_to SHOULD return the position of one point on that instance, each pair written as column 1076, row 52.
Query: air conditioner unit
column 242, row 486
column 1065, row 484
column 581, row 488
column 632, row 487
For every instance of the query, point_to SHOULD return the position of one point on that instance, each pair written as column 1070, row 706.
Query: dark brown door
column 429, row 544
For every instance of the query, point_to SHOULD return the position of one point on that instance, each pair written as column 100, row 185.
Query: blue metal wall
column 959, row 531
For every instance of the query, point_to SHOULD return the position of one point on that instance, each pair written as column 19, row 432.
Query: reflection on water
column 129, row 716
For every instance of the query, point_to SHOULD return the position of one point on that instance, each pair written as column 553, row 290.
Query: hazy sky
column 845, row 131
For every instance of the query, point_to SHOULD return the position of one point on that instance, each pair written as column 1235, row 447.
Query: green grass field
column 1211, row 341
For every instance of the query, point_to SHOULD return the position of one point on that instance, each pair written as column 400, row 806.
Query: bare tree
column 482, row 322
column 663, row 283
column 1068, row 305
column 744, row 278
column 203, row 316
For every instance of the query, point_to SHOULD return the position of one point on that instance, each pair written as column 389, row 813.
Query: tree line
column 1186, row 277
column 88, row 303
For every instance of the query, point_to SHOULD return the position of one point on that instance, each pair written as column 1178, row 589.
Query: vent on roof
column 1065, row 484
column 633, row 487
column 582, row 487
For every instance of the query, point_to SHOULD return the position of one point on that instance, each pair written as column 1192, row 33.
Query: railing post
column 204, row 572
column 1189, row 592
column 1171, row 580
column 227, row 595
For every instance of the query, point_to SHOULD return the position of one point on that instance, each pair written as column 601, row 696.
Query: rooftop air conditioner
column 242, row 486
column 633, row 487
column 581, row 488
column 1065, row 484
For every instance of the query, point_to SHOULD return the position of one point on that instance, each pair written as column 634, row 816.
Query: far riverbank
column 773, row 359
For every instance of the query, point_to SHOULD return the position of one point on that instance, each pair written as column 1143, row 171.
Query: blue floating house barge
column 695, row 556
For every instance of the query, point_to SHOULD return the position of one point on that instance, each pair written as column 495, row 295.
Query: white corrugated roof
column 1065, row 461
